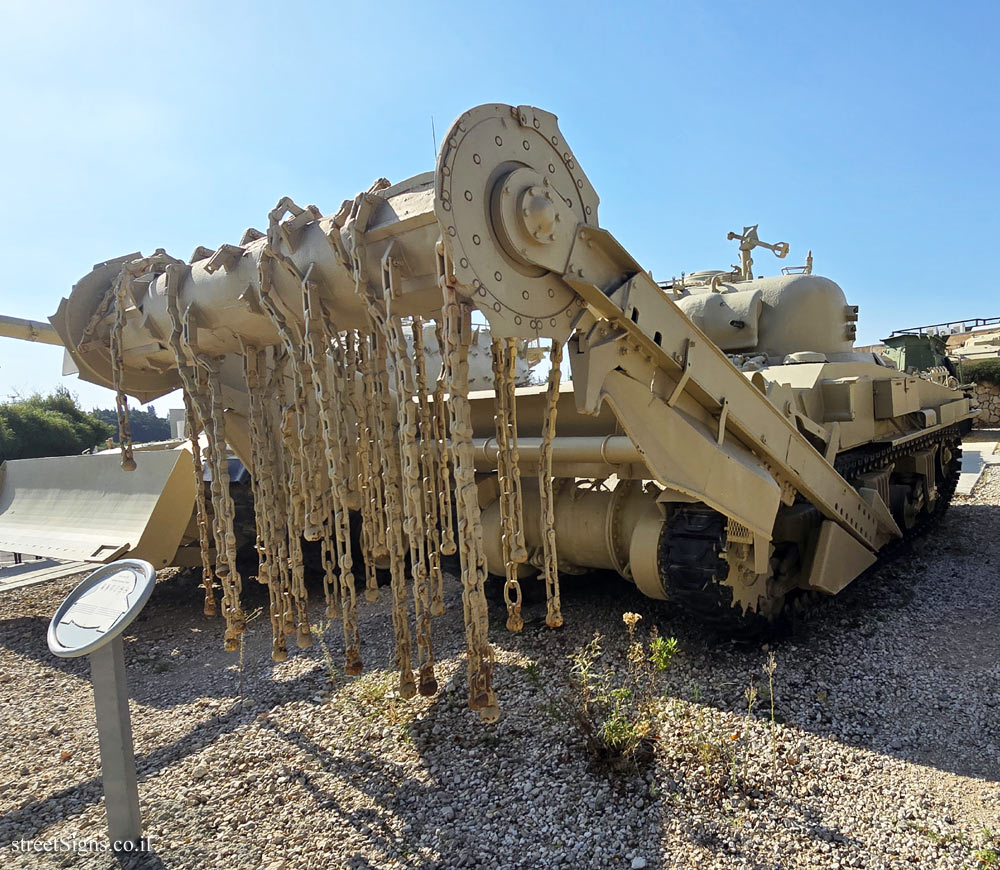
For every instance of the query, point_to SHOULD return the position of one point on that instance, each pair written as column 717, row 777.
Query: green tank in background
column 943, row 348
column 920, row 352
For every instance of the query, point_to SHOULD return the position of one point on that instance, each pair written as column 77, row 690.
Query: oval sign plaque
column 101, row 607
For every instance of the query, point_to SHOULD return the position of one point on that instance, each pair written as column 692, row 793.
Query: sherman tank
column 714, row 439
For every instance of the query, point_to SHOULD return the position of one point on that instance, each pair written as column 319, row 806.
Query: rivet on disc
column 498, row 140
column 477, row 159
column 588, row 209
column 475, row 239
column 498, row 276
column 535, row 122
column 552, row 322
column 451, row 230
column 552, row 167
column 445, row 205
column 525, row 145
column 464, row 263
column 468, row 196
column 517, row 319
column 579, row 183
column 496, row 306
column 552, row 293
column 525, row 295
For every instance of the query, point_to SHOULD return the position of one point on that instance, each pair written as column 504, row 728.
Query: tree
column 52, row 425
column 145, row 425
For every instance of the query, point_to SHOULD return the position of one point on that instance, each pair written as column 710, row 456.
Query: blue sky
column 866, row 132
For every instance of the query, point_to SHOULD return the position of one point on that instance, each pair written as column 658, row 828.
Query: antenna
column 434, row 139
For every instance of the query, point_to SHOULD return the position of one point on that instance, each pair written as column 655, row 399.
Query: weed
column 383, row 705
column 769, row 668
column 989, row 854
column 662, row 650
column 319, row 631
column 250, row 617
column 936, row 838
column 616, row 712
column 531, row 669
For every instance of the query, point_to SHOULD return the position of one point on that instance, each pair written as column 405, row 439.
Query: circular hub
column 538, row 214
column 509, row 199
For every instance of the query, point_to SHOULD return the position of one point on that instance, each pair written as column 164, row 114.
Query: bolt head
column 538, row 215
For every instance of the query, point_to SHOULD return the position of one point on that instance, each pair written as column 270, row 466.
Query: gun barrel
column 28, row 330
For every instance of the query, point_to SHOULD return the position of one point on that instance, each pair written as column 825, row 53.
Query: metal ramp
column 86, row 509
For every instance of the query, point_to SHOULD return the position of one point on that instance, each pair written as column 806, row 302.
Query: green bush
column 982, row 371
column 145, row 425
column 52, row 425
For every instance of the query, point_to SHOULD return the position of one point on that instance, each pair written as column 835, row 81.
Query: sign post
column 90, row 622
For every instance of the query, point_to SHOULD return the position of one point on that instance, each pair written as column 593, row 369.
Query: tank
column 716, row 440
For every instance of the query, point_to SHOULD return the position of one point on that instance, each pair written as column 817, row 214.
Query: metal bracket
column 723, row 414
column 225, row 258
column 689, row 347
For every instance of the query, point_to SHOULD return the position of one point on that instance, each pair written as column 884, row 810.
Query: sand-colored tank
column 719, row 442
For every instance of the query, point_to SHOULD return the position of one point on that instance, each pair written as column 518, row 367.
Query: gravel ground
column 884, row 749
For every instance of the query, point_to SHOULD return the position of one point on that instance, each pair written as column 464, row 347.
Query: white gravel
column 885, row 751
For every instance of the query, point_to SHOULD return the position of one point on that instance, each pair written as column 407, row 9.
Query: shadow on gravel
column 31, row 818
column 371, row 775
column 905, row 662
column 173, row 619
column 917, row 638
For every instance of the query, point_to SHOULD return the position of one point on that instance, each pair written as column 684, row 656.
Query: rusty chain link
column 504, row 354
column 550, row 561
column 117, row 367
column 443, row 457
column 222, row 501
column 192, row 426
column 429, row 460
column 413, row 493
column 354, row 377
column 479, row 655
column 388, row 435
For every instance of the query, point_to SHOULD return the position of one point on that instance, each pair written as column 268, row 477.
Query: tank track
column 951, row 437
column 691, row 564
column 692, row 570
column 803, row 604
